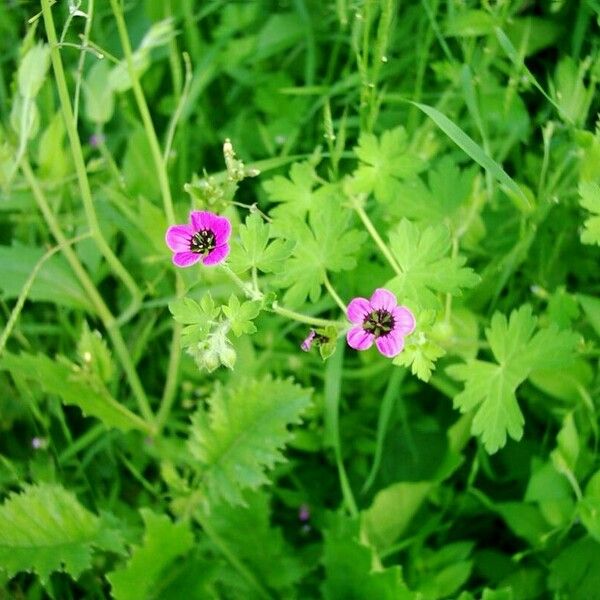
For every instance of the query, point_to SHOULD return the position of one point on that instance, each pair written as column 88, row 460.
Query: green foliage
column 241, row 435
column 424, row 265
column 64, row 536
column 590, row 200
column 240, row 315
column 490, row 386
column 164, row 542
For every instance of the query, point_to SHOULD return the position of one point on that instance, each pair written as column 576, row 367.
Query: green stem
column 16, row 311
column 144, row 113
column 235, row 562
column 364, row 217
column 296, row 316
column 334, row 294
column 77, row 153
column 100, row 306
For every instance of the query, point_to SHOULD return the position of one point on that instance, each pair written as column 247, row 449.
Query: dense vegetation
column 211, row 430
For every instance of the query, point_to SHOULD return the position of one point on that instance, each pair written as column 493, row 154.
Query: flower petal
column 404, row 320
column 390, row 344
column 383, row 299
column 219, row 254
column 359, row 339
column 200, row 219
column 220, row 226
column 178, row 237
column 358, row 309
column 308, row 342
column 186, row 259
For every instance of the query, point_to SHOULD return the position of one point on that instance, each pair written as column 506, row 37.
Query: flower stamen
column 203, row 242
column 379, row 322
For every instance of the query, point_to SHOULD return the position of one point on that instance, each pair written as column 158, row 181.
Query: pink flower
column 379, row 320
column 205, row 239
column 308, row 342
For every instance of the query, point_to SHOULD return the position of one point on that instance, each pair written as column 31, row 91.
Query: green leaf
column 33, row 69
column 148, row 568
column 322, row 245
column 386, row 161
column 98, row 95
column 254, row 250
column 241, row 435
column 590, row 200
column 94, row 354
column 426, row 268
column 197, row 317
column 240, row 315
column 54, row 283
column 349, row 574
column 490, row 387
column 45, row 529
column 589, row 506
column 67, row 381
column 474, row 150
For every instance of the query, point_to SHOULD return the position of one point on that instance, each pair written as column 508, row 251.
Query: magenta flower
column 308, row 342
column 205, row 239
column 379, row 320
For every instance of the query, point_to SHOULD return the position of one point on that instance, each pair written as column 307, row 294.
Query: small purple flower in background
column 308, row 342
column 379, row 320
column 96, row 139
column 304, row 513
column 205, row 239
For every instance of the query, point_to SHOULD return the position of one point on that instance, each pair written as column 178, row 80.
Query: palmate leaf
column 163, row 542
column 426, row 268
column 241, row 435
column 322, row 245
column 590, row 200
column 45, row 529
column 490, row 386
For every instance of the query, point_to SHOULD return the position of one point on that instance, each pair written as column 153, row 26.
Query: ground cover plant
column 299, row 299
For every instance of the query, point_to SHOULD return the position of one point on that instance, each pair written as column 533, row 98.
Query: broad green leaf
column 425, row 265
column 590, row 200
column 490, row 387
column 54, row 283
column 98, row 95
column 68, row 382
column 241, row 315
column 151, row 563
column 589, row 506
column 33, row 69
column 197, row 317
column 45, row 529
column 474, row 150
column 349, row 572
column 254, row 250
column 94, row 354
column 241, row 435
column 470, row 23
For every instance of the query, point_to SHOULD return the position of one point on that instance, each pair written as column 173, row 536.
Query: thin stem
column 16, row 311
column 100, row 306
column 296, row 316
column 144, row 113
column 334, row 294
column 244, row 287
column 360, row 211
column 77, row 153
column 235, row 562
column 80, row 64
column 170, row 390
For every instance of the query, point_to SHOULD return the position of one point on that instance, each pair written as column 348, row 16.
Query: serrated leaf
column 386, row 161
column 240, row 315
column 490, row 387
column 590, row 200
column 144, row 573
column 254, row 250
column 94, row 354
column 61, row 379
column 240, row 437
column 426, row 268
column 322, row 245
column 45, row 529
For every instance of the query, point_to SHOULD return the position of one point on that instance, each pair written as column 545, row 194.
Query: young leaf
column 144, row 574
column 590, row 200
column 490, row 386
column 240, row 315
column 45, row 529
column 254, row 250
column 426, row 268
column 198, row 318
column 241, row 435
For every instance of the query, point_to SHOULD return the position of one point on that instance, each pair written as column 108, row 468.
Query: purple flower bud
column 96, row 139
column 308, row 342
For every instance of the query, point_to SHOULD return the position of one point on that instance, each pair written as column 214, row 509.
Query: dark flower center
column 203, row 242
column 379, row 322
